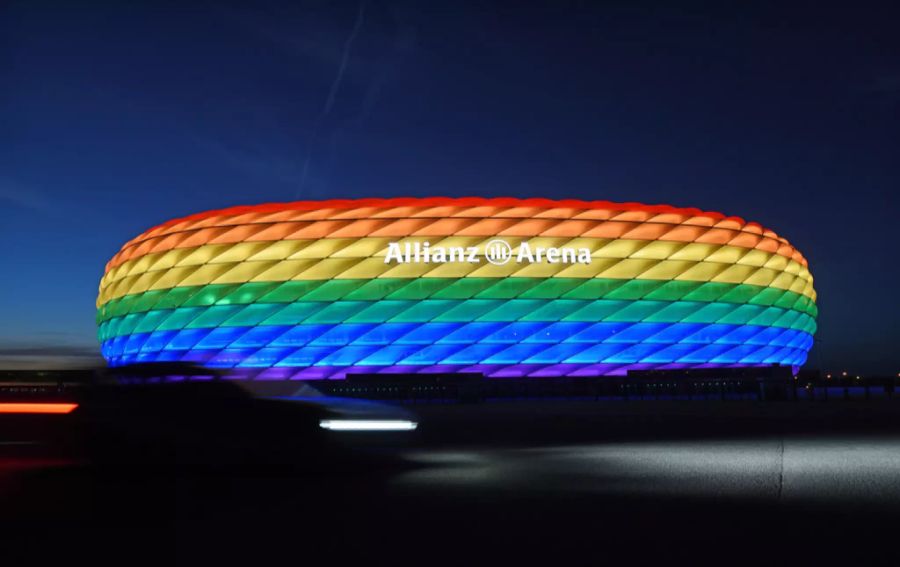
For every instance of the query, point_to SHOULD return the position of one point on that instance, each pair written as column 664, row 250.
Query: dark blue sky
column 117, row 116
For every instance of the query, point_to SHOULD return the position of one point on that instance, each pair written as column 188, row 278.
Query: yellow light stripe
column 348, row 268
column 352, row 248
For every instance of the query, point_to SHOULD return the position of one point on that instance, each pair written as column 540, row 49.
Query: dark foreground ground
column 554, row 483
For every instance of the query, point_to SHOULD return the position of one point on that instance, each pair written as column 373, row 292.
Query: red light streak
column 37, row 407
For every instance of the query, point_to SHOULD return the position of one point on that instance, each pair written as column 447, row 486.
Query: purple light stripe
column 493, row 371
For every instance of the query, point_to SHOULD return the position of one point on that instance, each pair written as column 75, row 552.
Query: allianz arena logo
column 497, row 252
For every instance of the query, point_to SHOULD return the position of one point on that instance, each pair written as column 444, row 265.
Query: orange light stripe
column 402, row 216
column 33, row 407
column 317, row 210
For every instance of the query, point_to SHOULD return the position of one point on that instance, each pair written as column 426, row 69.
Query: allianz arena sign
column 497, row 252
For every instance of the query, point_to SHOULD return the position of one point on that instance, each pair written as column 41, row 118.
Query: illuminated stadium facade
column 505, row 287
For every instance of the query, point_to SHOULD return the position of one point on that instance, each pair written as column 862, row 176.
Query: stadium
column 503, row 287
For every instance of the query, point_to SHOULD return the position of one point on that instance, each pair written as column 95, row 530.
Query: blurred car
column 195, row 417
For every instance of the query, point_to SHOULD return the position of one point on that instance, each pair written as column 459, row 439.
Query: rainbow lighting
column 506, row 287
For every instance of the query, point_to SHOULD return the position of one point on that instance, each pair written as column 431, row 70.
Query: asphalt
column 551, row 483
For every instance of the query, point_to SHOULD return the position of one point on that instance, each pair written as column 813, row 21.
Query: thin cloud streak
column 345, row 57
column 14, row 194
column 40, row 357
column 332, row 93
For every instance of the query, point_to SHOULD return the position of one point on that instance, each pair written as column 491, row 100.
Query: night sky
column 117, row 116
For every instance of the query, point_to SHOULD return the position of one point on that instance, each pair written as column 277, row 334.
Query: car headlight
column 368, row 424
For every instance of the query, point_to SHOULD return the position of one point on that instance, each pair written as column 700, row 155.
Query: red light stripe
column 442, row 201
column 30, row 407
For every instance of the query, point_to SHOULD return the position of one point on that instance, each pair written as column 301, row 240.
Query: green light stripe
column 447, row 310
column 453, row 288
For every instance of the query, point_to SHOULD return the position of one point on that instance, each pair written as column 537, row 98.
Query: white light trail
column 367, row 424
